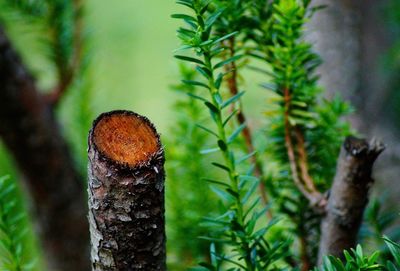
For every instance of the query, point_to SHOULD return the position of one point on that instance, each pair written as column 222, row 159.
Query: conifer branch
column 318, row 199
column 68, row 71
column 303, row 164
column 241, row 119
column 290, row 150
column 236, row 227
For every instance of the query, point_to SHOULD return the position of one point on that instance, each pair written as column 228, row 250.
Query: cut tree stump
column 126, row 193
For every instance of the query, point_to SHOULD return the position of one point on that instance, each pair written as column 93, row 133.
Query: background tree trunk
column 30, row 132
column 352, row 38
column 126, row 194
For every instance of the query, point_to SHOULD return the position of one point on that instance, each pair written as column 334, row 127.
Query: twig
column 303, row 164
column 305, row 258
column 246, row 132
column 290, row 149
column 319, row 200
column 67, row 74
column 305, row 184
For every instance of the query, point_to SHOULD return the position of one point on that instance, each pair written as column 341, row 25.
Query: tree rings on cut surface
column 125, row 138
column 126, row 194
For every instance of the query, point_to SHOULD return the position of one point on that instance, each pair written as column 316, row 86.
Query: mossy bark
column 126, row 193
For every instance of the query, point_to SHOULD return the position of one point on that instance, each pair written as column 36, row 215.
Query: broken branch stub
column 348, row 196
column 126, row 193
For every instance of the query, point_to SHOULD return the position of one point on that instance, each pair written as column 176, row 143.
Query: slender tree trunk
column 348, row 196
column 29, row 130
column 126, row 193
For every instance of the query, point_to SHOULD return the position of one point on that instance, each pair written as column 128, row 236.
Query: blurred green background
column 131, row 66
column 132, row 62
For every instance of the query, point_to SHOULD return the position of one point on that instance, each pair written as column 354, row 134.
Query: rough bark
column 348, row 196
column 30, row 132
column 126, row 193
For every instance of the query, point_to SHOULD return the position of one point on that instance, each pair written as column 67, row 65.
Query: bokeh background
column 132, row 67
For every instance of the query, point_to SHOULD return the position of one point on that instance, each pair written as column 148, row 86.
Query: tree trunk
column 348, row 196
column 30, row 132
column 352, row 38
column 126, row 193
column 335, row 34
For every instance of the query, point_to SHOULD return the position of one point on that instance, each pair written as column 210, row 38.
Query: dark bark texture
column 30, row 132
column 126, row 199
column 348, row 196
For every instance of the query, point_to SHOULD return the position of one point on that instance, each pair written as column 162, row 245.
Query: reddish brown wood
column 126, row 193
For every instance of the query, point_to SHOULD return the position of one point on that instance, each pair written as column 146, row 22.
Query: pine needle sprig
column 300, row 125
column 247, row 246
column 13, row 231
column 61, row 25
column 356, row 259
column 188, row 201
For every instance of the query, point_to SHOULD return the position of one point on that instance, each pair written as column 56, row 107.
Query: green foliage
column 13, row 230
column 298, row 117
column 379, row 220
column 188, row 200
column 391, row 58
column 65, row 45
column 356, row 260
column 325, row 138
column 76, row 110
column 59, row 24
column 246, row 246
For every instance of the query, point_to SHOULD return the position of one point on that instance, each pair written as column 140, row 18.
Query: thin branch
column 320, row 200
column 303, row 163
column 304, row 183
column 305, row 258
column 290, row 150
column 67, row 74
column 246, row 132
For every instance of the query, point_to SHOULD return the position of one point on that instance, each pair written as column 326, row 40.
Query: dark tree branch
column 30, row 132
column 348, row 196
column 126, row 194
